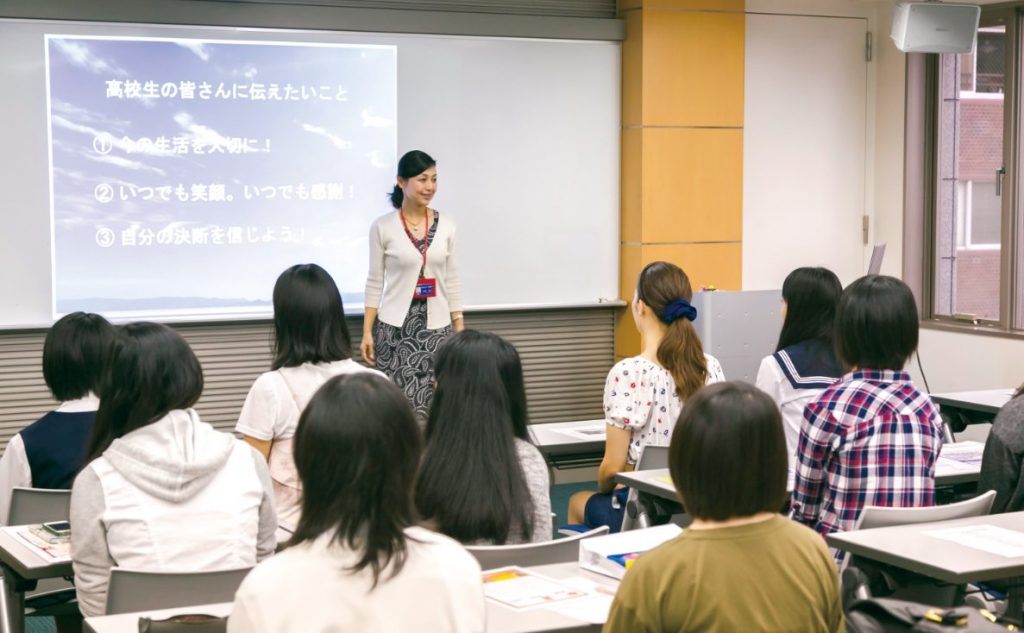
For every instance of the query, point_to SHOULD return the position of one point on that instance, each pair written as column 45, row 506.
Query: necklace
column 415, row 227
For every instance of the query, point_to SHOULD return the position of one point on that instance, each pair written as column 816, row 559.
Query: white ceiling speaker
column 935, row 27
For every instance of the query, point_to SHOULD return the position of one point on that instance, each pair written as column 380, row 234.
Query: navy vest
column 55, row 445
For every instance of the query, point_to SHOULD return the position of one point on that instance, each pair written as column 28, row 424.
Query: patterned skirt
column 406, row 355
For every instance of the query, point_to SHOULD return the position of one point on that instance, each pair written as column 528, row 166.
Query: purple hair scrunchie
column 679, row 309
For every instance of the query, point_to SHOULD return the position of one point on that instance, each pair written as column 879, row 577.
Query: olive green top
column 774, row 575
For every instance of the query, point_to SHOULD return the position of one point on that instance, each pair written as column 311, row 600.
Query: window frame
column 922, row 184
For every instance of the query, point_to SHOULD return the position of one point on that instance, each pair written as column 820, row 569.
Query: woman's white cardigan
column 395, row 266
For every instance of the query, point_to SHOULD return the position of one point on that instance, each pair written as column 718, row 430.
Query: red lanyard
column 426, row 237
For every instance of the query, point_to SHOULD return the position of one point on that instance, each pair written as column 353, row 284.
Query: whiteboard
column 525, row 132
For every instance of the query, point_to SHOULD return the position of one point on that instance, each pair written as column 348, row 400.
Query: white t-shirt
column 640, row 395
column 306, row 589
column 271, row 413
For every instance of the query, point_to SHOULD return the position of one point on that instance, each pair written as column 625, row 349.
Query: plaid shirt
column 870, row 439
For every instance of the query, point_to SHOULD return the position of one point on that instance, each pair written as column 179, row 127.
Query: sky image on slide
column 186, row 174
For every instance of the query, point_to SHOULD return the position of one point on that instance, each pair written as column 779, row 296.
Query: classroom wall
column 951, row 360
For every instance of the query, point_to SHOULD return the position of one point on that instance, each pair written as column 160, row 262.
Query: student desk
column 20, row 566
column 948, row 472
column 568, row 444
column 910, row 547
column 500, row 619
column 961, row 408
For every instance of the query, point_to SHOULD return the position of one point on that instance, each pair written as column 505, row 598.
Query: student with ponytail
column 413, row 292
column 644, row 395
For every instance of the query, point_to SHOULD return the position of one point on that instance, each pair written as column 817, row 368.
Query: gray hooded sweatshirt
column 175, row 495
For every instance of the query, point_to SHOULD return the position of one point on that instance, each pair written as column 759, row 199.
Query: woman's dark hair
column 680, row 352
column 876, row 324
column 150, row 372
column 309, row 318
column 510, row 366
column 412, row 164
column 717, row 476
column 74, row 354
column 811, row 296
column 471, row 482
column 356, row 451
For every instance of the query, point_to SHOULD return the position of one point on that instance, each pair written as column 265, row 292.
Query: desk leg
column 1015, row 600
column 12, row 604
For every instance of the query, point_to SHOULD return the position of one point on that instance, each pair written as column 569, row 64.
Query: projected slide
column 187, row 174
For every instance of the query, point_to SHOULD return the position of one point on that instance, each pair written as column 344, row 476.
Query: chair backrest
column 131, row 590
column 563, row 550
column 36, row 505
column 876, row 517
column 653, row 458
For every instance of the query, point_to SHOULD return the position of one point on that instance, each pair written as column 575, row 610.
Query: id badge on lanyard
column 426, row 287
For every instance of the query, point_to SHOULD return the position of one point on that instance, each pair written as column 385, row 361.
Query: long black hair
column 510, row 366
column 309, row 318
column 412, row 164
column 150, row 372
column 356, row 451
column 811, row 296
column 471, row 482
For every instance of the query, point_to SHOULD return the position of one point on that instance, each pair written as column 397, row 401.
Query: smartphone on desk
column 58, row 528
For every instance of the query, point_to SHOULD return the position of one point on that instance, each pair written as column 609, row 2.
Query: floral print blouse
column 640, row 395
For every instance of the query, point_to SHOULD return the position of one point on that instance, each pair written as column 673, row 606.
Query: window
column 972, row 190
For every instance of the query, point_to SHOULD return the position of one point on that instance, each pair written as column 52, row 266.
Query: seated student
column 49, row 452
column 162, row 490
column 872, row 438
column 740, row 566
column 481, row 480
column 1004, row 454
column 311, row 345
column 804, row 362
column 644, row 394
column 357, row 561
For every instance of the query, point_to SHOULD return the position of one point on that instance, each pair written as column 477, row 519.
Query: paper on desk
column 966, row 452
column 50, row 548
column 518, row 588
column 946, row 466
column 593, row 607
column 984, row 537
column 593, row 432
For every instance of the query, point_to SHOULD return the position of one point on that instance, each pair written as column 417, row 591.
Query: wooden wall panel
column 693, row 185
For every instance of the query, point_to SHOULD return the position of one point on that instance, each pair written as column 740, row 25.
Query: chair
column 563, row 550
column 131, row 590
column 862, row 578
column 36, row 505
column 652, row 458
column 877, row 517
column 639, row 515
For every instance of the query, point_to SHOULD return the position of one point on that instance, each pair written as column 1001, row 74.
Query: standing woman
column 804, row 362
column 413, row 292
